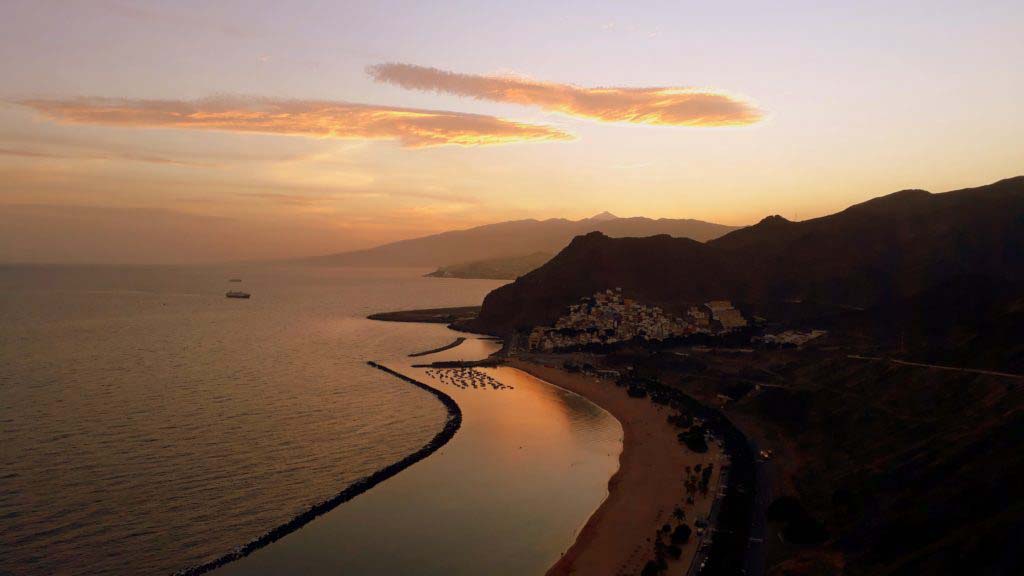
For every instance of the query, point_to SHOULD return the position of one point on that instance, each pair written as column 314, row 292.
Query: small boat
column 235, row 280
column 237, row 294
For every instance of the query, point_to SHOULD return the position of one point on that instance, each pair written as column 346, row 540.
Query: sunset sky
column 195, row 131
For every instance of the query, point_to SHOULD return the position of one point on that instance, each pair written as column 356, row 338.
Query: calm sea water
column 506, row 497
column 150, row 424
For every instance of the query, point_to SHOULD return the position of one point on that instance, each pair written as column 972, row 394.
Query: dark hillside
column 659, row 269
column 883, row 250
column 911, row 471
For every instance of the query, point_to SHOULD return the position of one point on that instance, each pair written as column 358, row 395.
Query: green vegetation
column 654, row 567
column 694, row 439
column 681, row 535
column 636, row 392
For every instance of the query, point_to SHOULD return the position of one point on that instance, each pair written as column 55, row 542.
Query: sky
column 195, row 131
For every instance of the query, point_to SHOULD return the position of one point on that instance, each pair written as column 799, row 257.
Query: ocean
column 150, row 424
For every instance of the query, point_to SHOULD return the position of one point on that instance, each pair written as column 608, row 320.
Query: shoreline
column 617, row 537
column 428, row 315
column 451, row 426
column 643, row 492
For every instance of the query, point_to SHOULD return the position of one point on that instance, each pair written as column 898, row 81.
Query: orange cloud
column 411, row 127
column 659, row 106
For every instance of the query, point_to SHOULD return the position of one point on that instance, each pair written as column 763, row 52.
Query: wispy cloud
column 131, row 156
column 180, row 19
column 314, row 196
column 413, row 128
column 673, row 106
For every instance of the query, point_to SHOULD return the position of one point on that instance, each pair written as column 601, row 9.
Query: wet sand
column 619, row 537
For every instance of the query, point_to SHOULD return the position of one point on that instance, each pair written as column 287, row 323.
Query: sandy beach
column 619, row 537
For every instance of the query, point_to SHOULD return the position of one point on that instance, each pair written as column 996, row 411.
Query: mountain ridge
column 883, row 249
column 514, row 238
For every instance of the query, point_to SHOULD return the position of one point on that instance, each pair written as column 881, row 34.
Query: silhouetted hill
column 660, row 269
column 888, row 248
column 514, row 239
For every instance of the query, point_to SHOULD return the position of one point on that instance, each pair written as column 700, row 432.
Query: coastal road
column 712, row 519
column 756, row 551
column 936, row 366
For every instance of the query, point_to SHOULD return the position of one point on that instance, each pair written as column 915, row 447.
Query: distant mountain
column 495, row 268
column 884, row 250
column 517, row 238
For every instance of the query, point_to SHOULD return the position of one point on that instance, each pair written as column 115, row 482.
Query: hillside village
column 608, row 317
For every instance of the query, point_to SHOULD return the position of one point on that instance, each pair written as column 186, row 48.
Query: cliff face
column 883, row 250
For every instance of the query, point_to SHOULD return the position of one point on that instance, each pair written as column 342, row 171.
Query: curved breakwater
column 449, row 346
column 451, row 426
column 506, row 496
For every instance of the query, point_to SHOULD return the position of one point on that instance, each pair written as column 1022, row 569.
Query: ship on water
column 237, row 294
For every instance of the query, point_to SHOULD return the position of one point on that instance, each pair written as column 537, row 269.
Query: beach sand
column 619, row 537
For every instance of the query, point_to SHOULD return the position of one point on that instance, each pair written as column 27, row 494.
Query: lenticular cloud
column 413, row 128
column 667, row 106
